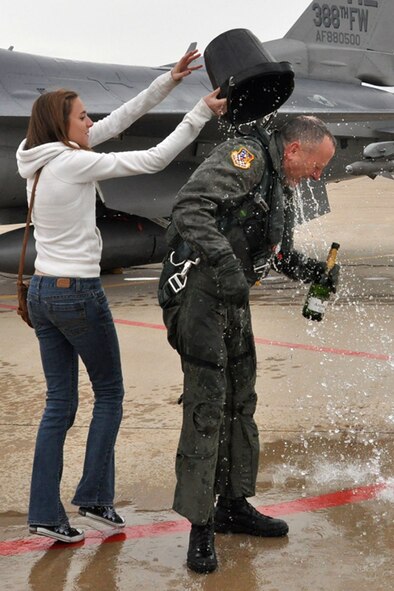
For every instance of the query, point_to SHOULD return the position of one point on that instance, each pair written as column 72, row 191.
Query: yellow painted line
column 125, row 284
column 130, row 282
column 376, row 256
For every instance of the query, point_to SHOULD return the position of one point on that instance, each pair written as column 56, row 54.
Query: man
column 231, row 222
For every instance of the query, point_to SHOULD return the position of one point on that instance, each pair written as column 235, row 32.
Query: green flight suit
column 218, row 449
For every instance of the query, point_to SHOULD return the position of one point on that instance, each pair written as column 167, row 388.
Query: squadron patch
column 242, row 158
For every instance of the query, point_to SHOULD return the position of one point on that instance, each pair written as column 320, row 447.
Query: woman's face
column 79, row 124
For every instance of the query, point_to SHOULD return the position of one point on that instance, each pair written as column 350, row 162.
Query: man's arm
column 295, row 264
column 222, row 181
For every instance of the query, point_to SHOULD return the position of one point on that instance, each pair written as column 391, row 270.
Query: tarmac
column 325, row 416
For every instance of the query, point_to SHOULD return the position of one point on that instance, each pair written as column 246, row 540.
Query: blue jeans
column 70, row 322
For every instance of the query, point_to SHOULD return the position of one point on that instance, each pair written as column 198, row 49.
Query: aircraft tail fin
column 351, row 41
column 192, row 47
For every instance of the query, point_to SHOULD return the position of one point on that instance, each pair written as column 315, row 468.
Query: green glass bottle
column 319, row 292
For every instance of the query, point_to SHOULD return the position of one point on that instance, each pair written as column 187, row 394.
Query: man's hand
column 332, row 275
column 232, row 283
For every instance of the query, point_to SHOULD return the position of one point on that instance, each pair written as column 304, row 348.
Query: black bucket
column 254, row 84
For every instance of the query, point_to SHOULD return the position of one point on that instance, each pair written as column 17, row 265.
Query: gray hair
column 306, row 128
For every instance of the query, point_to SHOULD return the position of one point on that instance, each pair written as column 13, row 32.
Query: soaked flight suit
column 218, row 449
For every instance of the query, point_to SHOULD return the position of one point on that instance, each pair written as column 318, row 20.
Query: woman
column 67, row 304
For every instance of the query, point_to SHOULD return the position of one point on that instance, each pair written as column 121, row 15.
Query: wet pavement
column 325, row 415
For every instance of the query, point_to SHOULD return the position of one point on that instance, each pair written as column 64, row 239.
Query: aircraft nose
column 10, row 245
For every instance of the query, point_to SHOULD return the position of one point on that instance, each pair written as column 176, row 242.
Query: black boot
column 201, row 555
column 237, row 516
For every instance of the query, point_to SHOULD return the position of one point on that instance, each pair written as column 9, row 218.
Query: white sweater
column 68, row 243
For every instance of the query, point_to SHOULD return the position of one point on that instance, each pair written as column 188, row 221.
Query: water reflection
column 244, row 564
column 82, row 568
column 50, row 572
column 101, row 570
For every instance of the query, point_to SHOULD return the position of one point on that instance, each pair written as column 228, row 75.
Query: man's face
column 303, row 160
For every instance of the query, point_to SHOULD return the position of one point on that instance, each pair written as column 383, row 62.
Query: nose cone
column 126, row 242
column 10, row 251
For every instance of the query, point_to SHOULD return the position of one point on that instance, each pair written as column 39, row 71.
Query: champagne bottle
column 319, row 292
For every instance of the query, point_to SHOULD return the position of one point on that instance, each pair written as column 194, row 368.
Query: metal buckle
column 178, row 281
column 173, row 262
column 258, row 268
column 261, row 202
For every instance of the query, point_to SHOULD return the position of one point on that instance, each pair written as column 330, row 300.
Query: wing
column 335, row 51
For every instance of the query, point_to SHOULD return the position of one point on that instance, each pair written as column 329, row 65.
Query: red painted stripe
column 258, row 341
column 270, row 342
column 319, row 349
column 8, row 307
column 140, row 324
column 335, row 499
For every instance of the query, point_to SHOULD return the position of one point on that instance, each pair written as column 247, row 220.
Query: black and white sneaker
column 63, row 533
column 104, row 513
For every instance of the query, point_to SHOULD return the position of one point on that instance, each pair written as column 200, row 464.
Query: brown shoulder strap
column 27, row 228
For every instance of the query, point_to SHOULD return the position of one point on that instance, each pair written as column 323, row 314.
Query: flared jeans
column 72, row 320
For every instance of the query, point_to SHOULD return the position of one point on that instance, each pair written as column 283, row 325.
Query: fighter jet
column 338, row 49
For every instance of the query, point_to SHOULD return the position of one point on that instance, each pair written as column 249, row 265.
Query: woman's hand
column 183, row 67
column 218, row 106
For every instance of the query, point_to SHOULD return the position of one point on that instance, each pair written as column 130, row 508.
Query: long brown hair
column 49, row 118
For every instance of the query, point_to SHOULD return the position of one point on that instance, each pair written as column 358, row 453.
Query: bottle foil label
column 317, row 305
